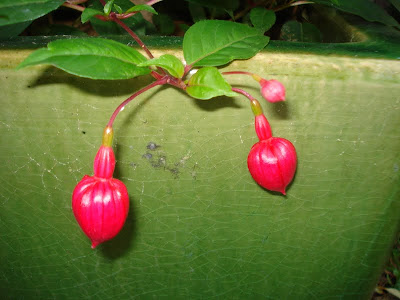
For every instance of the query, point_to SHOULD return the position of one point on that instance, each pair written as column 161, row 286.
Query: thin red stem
column 244, row 93
column 237, row 72
column 255, row 105
column 132, row 34
column 122, row 105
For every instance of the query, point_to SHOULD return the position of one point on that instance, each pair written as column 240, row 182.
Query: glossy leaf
column 168, row 62
column 108, row 7
column 262, row 18
column 142, row 7
column 366, row 9
column 89, row 13
column 215, row 43
column 94, row 58
column 207, row 83
column 17, row 11
column 118, row 8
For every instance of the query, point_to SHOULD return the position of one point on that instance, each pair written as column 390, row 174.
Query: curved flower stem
column 237, row 72
column 255, row 76
column 161, row 81
column 255, row 105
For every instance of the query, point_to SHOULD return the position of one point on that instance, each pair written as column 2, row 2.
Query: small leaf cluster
column 207, row 45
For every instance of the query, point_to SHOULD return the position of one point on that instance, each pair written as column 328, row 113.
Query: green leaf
column 89, row 13
column 17, row 11
column 168, row 62
column 262, row 18
column 107, row 8
column 207, row 83
column 215, row 42
column 136, row 22
column 300, row 32
column 141, row 7
column 94, row 58
column 118, row 8
column 365, row 9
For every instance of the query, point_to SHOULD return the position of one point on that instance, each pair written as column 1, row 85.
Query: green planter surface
column 199, row 226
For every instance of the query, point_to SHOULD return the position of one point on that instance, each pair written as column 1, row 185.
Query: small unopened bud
column 272, row 90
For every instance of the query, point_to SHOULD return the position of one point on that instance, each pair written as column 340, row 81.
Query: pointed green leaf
column 207, row 83
column 168, row 62
column 108, row 7
column 89, row 13
column 141, row 7
column 215, row 42
column 17, row 11
column 136, row 22
column 94, row 58
column 118, row 8
column 262, row 18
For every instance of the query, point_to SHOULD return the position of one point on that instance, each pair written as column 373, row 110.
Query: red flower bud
column 100, row 203
column 272, row 90
column 272, row 161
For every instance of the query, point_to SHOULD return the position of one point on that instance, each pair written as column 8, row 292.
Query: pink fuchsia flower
column 272, row 90
column 101, row 203
column 272, row 161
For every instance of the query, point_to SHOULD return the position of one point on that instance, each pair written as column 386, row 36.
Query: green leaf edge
column 37, row 57
column 89, row 13
column 227, row 93
column 141, row 7
column 158, row 62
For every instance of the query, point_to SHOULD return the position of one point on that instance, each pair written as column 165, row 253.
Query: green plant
column 206, row 46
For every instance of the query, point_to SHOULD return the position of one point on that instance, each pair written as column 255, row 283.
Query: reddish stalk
column 161, row 81
column 237, row 72
column 255, row 105
column 132, row 34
